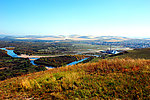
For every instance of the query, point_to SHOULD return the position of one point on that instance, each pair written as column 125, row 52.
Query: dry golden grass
column 106, row 79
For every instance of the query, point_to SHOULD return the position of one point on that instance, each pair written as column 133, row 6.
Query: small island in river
column 58, row 61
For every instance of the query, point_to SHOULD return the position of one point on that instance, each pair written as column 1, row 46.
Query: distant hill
column 72, row 37
column 114, row 38
column 75, row 37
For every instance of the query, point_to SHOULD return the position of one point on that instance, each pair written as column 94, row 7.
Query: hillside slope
column 143, row 53
column 107, row 79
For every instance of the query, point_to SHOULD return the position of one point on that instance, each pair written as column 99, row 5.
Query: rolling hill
column 105, row 79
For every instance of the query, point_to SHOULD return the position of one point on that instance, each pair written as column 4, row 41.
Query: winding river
column 12, row 54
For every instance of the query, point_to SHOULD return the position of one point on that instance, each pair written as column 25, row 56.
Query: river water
column 12, row 54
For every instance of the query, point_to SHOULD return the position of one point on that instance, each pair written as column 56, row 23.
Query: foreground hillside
column 107, row 79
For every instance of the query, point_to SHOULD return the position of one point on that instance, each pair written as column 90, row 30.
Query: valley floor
column 35, row 56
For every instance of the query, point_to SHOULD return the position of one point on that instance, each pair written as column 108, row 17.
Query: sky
column 129, row 18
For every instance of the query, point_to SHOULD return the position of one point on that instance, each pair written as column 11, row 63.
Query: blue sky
column 129, row 18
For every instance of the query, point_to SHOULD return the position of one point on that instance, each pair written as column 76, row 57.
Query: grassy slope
column 138, row 53
column 112, row 78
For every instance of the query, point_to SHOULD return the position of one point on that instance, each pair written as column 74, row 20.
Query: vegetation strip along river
column 12, row 54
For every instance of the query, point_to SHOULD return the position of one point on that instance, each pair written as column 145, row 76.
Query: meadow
column 143, row 53
column 105, row 79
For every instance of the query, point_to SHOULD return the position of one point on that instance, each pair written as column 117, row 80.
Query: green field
column 58, row 61
column 13, row 67
column 137, row 53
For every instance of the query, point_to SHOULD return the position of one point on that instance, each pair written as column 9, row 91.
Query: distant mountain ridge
column 71, row 37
